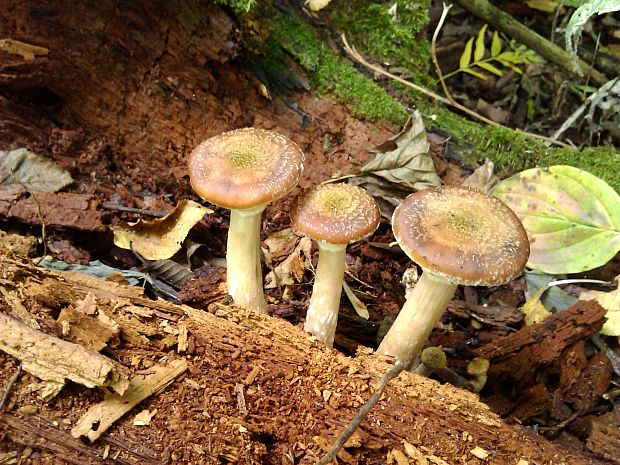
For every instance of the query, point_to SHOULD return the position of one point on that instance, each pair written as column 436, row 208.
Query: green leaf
column 479, row 50
column 572, row 217
column 496, row 45
column 490, row 68
column 509, row 56
column 510, row 65
column 475, row 73
column 466, row 55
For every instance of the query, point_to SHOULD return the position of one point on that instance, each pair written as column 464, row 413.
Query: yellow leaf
column 479, row 50
column 475, row 73
column 610, row 301
column 28, row 52
column 161, row 238
column 466, row 55
column 491, row 69
column 496, row 45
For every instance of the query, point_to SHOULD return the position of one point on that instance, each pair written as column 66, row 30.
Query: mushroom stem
column 322, row 315
column 417, row 318
column 243, row 268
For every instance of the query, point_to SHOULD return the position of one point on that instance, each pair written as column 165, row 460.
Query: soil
column 124, row 94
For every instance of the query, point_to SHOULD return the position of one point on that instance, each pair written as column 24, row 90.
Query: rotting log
column 258, row 389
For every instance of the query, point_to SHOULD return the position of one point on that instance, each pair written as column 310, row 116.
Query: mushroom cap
column 244, row 168
column 335, row 213
column 433, row 358
column 462, row 235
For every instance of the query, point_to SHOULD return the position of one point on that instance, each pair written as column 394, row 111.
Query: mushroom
column 457, row 235
column 431, row 359
column 334, row 215
column 478, row 369
column 243, row 170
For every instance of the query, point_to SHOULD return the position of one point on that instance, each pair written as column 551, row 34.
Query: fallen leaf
column 400, row 166
column 21, row 168
column 162, row 237
column 94, row 268
column 27, row 51
column 534, row 310
column 293, row 250
column 572, row 218
column 554, row 297
column 483, row 178
column 610, row 301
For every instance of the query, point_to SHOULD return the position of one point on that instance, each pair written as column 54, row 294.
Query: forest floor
column 120, row 110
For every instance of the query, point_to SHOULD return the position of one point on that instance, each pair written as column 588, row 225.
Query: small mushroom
column 478, row 369
column 243, row 170
column 457, row 235
column 334, row 215
column 431, row 359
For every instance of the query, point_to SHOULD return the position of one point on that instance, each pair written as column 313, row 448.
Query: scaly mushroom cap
column 335, row 213
column 462, row 235
column 244, row 168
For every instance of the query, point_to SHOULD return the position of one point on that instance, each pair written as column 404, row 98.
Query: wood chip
column 479, row 452
column 102, row 415
column 144, row 417
column 182, row 340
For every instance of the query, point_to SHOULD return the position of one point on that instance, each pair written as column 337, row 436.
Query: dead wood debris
column 102, row 415
column 54, row 360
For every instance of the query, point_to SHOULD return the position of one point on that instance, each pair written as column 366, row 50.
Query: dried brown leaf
column 161, row 238
column 21, row 169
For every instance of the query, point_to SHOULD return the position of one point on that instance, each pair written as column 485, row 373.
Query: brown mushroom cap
column 335, row 213
column 462, row 235
column 244, row 168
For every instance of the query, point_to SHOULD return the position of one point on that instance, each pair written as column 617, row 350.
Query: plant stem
column 243, row 268
column 417, row 318
column 322, row 315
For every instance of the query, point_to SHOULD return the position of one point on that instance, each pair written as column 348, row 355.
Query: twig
column 140, row 211
column 444, row 13
column 357, row 57
column 9, row 386
column 39, row 212
column 363, row 411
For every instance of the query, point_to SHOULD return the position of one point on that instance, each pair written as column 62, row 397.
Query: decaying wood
column 539, row 344
column 294, row 390
column 105, row 413
column 55, row 360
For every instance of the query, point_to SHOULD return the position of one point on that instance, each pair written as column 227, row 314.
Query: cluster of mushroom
column 457, row 235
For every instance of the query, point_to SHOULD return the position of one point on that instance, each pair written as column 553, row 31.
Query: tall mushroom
column 334, row 215
column 457, row 235
column 243, row 170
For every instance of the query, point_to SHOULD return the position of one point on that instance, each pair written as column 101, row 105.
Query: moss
column 331, row 76
column 508, row 149
column 511, row 150
column 390, row 32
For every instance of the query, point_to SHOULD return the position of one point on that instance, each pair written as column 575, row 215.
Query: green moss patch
column 331, row 76
column 389, row 32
